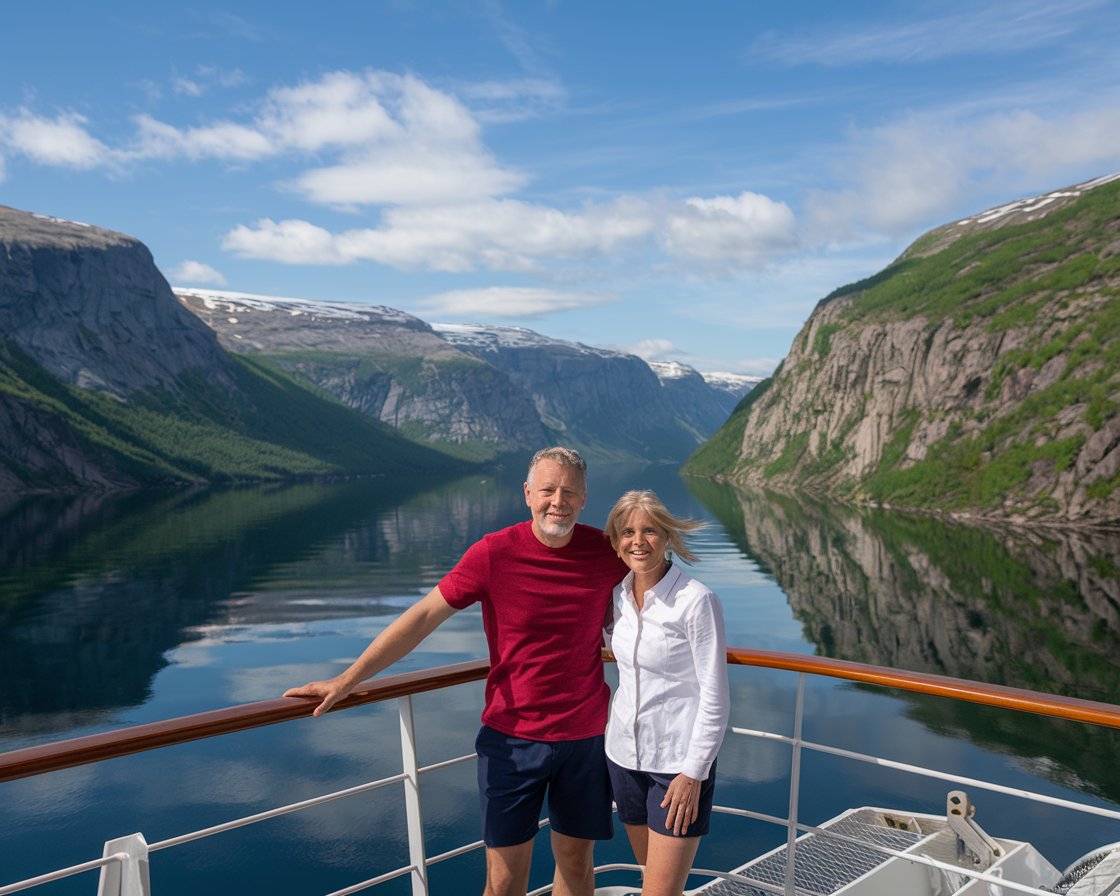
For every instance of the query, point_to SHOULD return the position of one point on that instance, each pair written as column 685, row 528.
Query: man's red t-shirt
column 543, row 611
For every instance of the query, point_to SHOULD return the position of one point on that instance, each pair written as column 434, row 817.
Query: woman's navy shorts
column 638, row 796
column 514, row 776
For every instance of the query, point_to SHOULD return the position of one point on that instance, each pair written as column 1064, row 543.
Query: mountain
column 479, row 392
column 978, row 374
column 704, row 401
column 609, row 404
column 1007, row 605
column 107, row 381
column 385, row 363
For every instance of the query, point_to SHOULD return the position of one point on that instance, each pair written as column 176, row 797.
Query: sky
column 683, row 181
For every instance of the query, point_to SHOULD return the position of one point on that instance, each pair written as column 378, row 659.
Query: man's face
column 555, row 494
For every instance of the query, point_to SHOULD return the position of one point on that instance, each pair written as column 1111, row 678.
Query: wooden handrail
column 122, row 742
column 1052, row 705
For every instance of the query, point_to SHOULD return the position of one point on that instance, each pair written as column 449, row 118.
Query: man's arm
column 398, row 640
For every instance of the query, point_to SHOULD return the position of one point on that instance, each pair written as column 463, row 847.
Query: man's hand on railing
column 330, row 691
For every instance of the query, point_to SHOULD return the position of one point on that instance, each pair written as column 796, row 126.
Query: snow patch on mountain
column 1036, row 203
column 492, row 339
column 246, row 303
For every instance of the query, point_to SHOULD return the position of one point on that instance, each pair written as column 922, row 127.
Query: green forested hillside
column 266, row 426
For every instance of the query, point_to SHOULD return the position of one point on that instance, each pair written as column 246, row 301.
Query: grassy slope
column 720, row 452
column 270, row 427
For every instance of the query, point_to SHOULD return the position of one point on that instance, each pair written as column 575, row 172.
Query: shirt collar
column 658, row 591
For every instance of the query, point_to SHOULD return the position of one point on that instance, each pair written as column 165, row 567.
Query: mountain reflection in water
column 119, row 610
column 1029, row 608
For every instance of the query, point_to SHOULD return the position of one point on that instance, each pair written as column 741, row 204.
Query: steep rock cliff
column 385, row 363
column 90, row 307
column 703, row 403
column 606, row 403
column 979, row 374
column 107, row 381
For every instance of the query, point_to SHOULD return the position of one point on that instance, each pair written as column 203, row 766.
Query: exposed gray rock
column 90, row 307
column 702, row 402
column 383, row 362
column 867, row 393
column 606, row 403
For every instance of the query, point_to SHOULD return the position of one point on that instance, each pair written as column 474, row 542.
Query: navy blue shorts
column 515, row 774
column 638, row 796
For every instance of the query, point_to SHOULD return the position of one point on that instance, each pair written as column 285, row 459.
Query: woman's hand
column 330, row 692
column 682, row 798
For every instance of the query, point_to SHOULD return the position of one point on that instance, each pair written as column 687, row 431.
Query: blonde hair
column 645, row 500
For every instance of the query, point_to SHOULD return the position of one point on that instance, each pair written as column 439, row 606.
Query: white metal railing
column 124, row 865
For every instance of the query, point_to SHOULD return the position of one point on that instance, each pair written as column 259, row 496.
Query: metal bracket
column 973, row 843
column 128, row 876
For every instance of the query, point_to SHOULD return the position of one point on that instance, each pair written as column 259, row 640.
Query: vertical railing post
column 128, row 876
column 417, row 854
column 794, row 787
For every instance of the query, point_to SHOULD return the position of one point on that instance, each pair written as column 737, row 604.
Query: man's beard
column 553, row 529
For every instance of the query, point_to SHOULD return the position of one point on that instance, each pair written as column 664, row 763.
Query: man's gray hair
column 566, row 457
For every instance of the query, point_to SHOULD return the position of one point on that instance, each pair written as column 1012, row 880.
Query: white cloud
column 193, row 273
column 407, row 176
column 1024, row 140
column 222, row 140
column 984, row 29
column 724, row 233
column 512, row 99
column 340, row 110
column 508, row 301
column 293, row 242
column 914, row 172
column 654, row 350
column 739, row 231
column 61, row 142
column 496, row 234
column 186, row 86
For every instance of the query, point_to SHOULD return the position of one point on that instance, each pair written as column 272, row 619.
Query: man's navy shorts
column 638, row 796
column 515, row 774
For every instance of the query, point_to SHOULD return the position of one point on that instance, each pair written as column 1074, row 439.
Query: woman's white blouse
column 669, row 712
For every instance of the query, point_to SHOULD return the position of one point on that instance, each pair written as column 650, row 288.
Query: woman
column 669, row 713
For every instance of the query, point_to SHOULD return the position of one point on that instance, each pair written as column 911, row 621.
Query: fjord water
column 121, row 610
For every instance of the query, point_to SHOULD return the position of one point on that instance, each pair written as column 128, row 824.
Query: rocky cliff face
column 90, row 307
column 702, row 402
column 385, row 363
column 979, row 374
column 87, row 307
column 107, row 381
column 606, row 403
column 484, row 390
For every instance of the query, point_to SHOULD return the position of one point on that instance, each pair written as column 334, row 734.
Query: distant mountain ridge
column 478, row 391
column 979, row 374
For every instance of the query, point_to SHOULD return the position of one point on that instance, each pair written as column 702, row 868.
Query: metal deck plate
column 823, row 864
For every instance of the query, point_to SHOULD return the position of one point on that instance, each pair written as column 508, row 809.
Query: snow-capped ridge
column 1037, row 203
column 244, row 303
column 493, row 338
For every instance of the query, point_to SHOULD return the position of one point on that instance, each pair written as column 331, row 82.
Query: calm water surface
column 119, row 611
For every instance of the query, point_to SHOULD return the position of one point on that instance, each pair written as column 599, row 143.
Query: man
column 544, row 586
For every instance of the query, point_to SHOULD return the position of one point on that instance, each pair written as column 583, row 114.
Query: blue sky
column 684, row 181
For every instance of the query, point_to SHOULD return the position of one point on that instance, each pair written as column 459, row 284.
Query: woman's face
column 641, row 544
